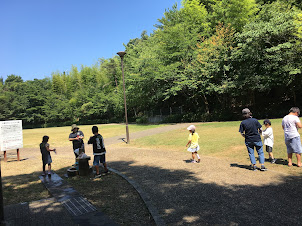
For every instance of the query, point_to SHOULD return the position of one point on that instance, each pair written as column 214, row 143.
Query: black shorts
column 269, row 149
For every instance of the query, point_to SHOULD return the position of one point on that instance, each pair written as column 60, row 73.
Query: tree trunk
column 206, row 103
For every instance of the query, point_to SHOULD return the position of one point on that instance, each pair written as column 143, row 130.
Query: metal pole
column 1, row 200
column 121, row 54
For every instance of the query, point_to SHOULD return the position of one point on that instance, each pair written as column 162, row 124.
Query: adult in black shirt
column 251, row 129
column 76, row 137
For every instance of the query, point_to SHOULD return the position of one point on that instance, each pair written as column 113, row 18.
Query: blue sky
column 39, row 37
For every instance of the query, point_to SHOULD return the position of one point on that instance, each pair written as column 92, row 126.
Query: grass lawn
column 58, row 136
column 221, row 140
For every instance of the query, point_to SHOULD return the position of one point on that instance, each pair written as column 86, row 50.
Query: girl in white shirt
column 268, row 139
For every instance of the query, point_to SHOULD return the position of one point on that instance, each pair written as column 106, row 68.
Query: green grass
column 217, row 139
column 58, row 136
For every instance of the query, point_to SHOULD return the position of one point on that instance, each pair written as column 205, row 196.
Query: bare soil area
column 214, row 191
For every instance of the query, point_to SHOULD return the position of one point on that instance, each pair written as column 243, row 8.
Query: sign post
column 1, row 200
column 11, row 137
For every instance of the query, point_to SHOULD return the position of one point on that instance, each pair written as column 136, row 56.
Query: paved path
column 148, row 132
column 81, row 211
column 42, row 212
column 214, row 192
column 66, row 207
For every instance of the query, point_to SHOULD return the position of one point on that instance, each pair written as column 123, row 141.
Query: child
column 193, row 142
column 99, row 151
column 268, row 139
column 46, row 158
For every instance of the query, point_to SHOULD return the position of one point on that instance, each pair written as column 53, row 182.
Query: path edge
column 145, row 197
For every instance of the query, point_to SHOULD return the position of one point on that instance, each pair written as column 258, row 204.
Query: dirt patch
column 216, row 191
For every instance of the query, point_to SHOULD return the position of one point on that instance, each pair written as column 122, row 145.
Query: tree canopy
column 209, row 58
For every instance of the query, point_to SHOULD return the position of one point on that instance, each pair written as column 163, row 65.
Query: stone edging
column 152, row 209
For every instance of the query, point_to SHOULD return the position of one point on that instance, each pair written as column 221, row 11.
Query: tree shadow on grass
column 183, row 199
column 23, row 188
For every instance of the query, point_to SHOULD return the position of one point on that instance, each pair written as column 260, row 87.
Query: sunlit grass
column 217, row 139
column 58, row 136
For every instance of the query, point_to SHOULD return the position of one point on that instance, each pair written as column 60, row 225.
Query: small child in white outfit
column 268, row 139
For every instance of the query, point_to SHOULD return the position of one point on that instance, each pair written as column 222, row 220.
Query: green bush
column 142, row 120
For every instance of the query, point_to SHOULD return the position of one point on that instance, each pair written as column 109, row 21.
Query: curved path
column 212, row 192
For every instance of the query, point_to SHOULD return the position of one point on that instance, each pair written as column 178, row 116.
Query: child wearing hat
column 193, row 143
column 268, row 139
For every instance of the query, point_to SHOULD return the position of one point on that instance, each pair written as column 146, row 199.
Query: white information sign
column 11, row 136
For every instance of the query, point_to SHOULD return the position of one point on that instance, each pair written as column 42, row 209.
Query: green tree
column 236, row 13
column 268, row 56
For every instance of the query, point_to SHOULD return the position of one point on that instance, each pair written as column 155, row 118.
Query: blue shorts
column 99, row 159
column 294, row 145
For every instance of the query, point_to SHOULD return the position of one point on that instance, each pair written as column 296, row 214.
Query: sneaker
column 106, row 172
column 97, row 176
column 254, row 168
column 273, row 161
column 198, row 160
column 193, row 161
column 263, row 168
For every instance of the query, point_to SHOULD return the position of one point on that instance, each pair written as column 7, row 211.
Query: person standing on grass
column 76, row 137
column 268, row 139
column 99, row 151
column 290, row 124
column 46, row 157
column 250, row 129
column 193, row 143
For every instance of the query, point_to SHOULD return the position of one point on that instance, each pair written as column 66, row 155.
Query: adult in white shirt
column 290, row 124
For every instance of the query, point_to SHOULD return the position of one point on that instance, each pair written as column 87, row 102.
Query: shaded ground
column 42, row 212
column 111, row 194
column 212, row 192
column 216, row 191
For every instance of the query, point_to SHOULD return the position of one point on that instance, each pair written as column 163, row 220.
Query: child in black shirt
column 99, row 150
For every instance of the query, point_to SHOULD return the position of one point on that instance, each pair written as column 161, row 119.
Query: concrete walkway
column 66, row 207
column 144, row 133
column 42, row 212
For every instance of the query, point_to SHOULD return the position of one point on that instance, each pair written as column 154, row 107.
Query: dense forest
column 203, row 61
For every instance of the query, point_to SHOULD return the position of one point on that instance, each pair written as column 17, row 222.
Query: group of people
column 77, row 138
column 251, row 130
